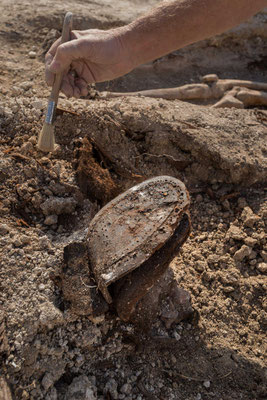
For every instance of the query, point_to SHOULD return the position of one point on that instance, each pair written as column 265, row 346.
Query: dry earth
column 47, row 201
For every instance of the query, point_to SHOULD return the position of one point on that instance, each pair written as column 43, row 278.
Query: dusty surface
column 47, row 200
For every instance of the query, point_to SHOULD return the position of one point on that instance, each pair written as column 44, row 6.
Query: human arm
column 98, row 56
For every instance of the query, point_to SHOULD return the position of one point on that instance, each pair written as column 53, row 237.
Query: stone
column 58, row 205
column 126, row 388
column 51, row 220
column 262, row 267
column 206, row 384
column 38, row 105
column 47, row 380
column 81, row 388
column 111, row 388
column 249, row 217
column 32, row 54
column 243, row 252
column 26, row 85
column 50, row 316
column 26, row 148
column 234, row 232
column 249, row 241
column 4, row 229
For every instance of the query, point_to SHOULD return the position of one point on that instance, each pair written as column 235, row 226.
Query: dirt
column 103, row 148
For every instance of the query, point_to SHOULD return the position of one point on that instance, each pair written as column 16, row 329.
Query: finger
column 82, row 85
column 67, row 88
column 65, row 54
column 49, row 76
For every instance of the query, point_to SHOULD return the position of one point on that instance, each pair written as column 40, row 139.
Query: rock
column 50, row 316
column 47, row 381
column 249, row 241
column 228, row 289
column 51, row 220
column 81, row 389
column 26, row 148
column 206, row 384
column 38, row 105
column 32, row 54
column 262, row 267
column 4, row 229
column 242, row 253
column 58, row 205
column 126, row 388
column 200, row 266
column 26, row 85
column 249, row 217
column 176, row 335
column 235, row 233
column 111, row 388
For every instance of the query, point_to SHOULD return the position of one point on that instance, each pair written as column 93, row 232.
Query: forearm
column 176, row 24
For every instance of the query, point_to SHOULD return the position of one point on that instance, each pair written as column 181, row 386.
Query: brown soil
column 47, row 201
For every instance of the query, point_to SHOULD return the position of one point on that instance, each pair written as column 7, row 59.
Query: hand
column 90, row 56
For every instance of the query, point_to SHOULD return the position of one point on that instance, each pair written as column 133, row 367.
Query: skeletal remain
column 252, row 97
column 229, row 100
column 192, row 91
column 211, row 88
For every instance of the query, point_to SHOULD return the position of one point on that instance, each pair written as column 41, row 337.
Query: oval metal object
column 129, row 229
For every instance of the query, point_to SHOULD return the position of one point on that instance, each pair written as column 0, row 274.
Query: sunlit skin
column 96, row 56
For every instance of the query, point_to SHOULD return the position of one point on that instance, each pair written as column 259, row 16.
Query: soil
column 103, row 148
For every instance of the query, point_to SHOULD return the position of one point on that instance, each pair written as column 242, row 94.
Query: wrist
column 130, row 46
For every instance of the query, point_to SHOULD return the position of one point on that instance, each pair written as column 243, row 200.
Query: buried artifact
column 124, row 261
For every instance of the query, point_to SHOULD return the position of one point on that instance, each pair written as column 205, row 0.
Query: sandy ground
column 46, row 352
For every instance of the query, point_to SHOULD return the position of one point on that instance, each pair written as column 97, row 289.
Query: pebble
column 59, row 205
column 262, row 267
column 242, row 253
column 32, row 54
column 235, row 233
column 249, row 241
column 26, row 148
column 47, row 381
column 81, row 388
column 51, row 219
column 206, row 384
column 111, row 388
column 176, row 335
column 26, row 85
column 4, row 229
column 126, row 388
column 249, row 217
column 38, row 104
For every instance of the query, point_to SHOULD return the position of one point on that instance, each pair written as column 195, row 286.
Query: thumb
column 65, row 54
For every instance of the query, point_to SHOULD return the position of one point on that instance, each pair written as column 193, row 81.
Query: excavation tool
column 46, row 139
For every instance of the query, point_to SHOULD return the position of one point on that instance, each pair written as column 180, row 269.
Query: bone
column 252, row 97
column 193, row 91
column 229, row 100
column 211, row 88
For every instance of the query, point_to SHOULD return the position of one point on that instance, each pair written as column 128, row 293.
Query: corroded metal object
column 129, row 229
column 125, row 257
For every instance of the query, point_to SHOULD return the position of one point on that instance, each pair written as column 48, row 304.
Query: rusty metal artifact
column 129, row 246
column 129, row 229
